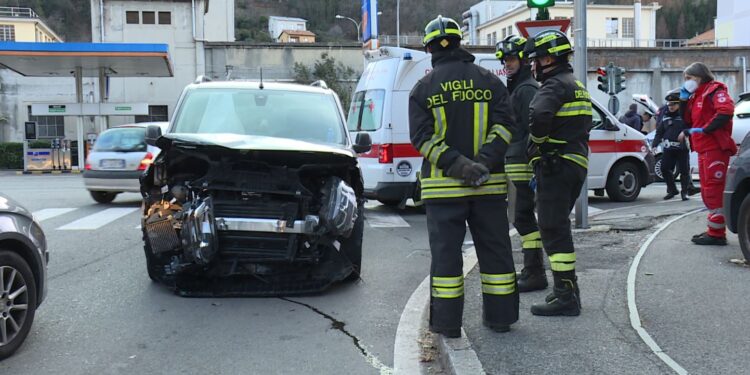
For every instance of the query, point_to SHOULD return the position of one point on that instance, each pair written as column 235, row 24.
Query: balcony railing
column 416, row 40
column 16, row 12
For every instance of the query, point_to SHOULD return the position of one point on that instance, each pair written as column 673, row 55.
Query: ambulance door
column 603, row 140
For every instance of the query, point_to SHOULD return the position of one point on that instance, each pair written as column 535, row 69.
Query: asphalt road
column 104, row 316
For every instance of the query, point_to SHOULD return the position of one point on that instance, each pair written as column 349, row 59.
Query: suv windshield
column 366, row 111
column 304, row 116
column 122, row 139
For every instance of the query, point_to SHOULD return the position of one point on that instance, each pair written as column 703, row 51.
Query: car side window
column 597, row 119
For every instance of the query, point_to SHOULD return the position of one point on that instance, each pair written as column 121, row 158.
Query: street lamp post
column 398, row 23
column 356, row 24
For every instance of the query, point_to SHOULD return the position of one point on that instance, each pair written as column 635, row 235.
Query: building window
column 510, row 30
column 494, row 38
column 156, row 113
column 48, row 126
column 165, row 18
column 628, row 27
column 611, row 27
column 132, row 17
column 149, row 18
column 505, row 33
column 7, row 33
column 489, row 39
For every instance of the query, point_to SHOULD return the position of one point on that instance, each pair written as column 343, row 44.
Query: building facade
column 297, row 36
column 184, row 25
column 730, row 16
column 606, row 25
column 277, row 25
column 24, row 25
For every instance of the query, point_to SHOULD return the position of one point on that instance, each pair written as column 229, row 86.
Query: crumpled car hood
column 256, row 143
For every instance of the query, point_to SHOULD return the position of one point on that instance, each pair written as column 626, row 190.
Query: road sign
column 531, row 28
column 369, row 23
column 89, row 109
column 30, row 130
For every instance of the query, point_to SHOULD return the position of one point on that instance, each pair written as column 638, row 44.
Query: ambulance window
column 597, row 119
column 366, row 111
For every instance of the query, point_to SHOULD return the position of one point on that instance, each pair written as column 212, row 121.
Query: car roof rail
column 320, row 83
column 201, row 78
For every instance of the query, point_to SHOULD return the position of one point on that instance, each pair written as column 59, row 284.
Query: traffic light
column 619, row 77
column 603, row 79
column 540, row 3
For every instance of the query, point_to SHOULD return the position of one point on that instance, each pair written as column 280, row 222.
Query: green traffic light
column 540, row 3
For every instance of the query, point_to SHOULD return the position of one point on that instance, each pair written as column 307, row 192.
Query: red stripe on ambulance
column 615, row 146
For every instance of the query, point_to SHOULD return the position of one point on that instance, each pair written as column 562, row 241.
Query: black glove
column 472, row 173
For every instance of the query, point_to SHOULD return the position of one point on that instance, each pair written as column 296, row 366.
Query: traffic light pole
column 581, row 67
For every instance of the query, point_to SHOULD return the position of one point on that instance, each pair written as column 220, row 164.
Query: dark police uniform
column 460, row 121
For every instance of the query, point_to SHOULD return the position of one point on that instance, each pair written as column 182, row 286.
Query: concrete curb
column 457, row 356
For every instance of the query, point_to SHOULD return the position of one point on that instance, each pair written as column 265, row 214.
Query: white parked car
column 117, row 160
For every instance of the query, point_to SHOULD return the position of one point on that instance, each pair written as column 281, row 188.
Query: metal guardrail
column 17, row 12
column 411, row 40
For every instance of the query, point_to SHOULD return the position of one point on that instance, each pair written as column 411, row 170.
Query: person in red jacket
column 707, row 110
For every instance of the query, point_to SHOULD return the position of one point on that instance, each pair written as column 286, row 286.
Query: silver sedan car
column 23, row 273
column 118, row 158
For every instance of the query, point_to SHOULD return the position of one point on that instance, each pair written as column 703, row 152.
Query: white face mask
column 691, row 85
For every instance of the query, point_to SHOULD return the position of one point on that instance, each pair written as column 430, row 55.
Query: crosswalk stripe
column 98, row 220
column 49, row 213
column 385, row 220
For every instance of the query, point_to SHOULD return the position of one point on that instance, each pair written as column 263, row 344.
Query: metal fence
column 412, row 40
column 17, row 12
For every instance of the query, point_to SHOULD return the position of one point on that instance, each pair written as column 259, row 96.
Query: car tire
column 624, row 182
column 103, row 196
column 351, row 247
column 659, row 176
column 743, row 227
column 22, row 277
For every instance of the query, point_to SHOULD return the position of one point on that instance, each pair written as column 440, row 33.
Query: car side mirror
column 362, row 143
column 610, row 126
column 153, row 132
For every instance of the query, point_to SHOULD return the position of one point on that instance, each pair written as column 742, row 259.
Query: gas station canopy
column 61, row 59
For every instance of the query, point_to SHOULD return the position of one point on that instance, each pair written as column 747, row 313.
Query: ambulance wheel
column 743, row 227
column 624, row 182
column 657, row 169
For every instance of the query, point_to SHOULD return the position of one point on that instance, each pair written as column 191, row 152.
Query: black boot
column 565, row 300
column 692, row 190
column 684, row 196
column 669, row 196
column 452, row 333
column 705, row 239
column 532, row 279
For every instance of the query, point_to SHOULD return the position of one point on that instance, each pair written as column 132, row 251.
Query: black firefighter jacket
column 560, row 117
column 457, row 109
column 523, row 87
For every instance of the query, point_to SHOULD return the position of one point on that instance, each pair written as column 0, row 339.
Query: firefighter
column 707, row 109
column 522, row 87
column 674, row 152
column 460, row 120
column 560, row 118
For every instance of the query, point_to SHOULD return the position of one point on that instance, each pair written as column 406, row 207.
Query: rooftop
column 287, row 19
column 298, row 33
column 16, row 12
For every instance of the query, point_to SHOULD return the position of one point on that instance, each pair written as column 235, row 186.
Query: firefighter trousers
column 557, row 189
column 488, row 223
column 524, row 218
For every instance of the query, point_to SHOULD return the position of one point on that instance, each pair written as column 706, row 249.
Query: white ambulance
column 620, row 161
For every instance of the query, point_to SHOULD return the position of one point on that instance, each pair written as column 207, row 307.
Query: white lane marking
column 98, row 220
column 385, row 220
column 49, row 213
column 406, row 349
column 635, row 317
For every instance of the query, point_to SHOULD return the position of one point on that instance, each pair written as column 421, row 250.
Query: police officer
column 674, row 152
column 461, row 122
column 522, row 87
column 560, row 116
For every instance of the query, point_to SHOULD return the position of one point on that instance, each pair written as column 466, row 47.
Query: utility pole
column 580, row 64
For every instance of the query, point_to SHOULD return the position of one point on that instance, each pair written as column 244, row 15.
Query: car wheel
column 103, row 196
column 17, row 301
column 743, row 227
column 624, row 182
column 351, row 247
column 153, row 266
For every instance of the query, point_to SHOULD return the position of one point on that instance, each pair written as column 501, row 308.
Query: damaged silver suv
column 256, row 192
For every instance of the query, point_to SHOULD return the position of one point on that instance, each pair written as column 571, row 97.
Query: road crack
column 341, row 327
